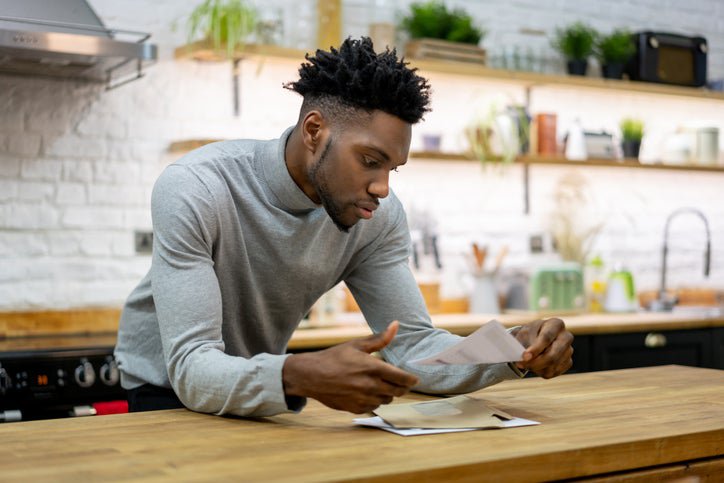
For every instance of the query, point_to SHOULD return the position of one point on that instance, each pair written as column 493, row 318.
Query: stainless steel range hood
column 65, row 38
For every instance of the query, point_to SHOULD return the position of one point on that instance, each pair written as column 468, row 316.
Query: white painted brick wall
column 77, row 163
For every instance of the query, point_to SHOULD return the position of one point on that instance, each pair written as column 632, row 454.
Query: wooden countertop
column 592, row 424
column 352, row 325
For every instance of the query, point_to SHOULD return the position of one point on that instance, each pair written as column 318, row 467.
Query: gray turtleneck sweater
column 240, row 254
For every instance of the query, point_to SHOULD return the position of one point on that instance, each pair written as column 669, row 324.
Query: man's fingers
column 547, row 333
column 553, row 361
column 397, row 377
column 376, row 342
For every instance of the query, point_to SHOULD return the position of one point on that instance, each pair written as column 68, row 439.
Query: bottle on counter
column 620, row 291
column 595, row 277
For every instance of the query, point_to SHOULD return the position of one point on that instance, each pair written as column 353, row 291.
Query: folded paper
column 490, row 344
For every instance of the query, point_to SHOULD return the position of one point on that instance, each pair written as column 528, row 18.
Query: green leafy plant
column 615, row 48
column 432, row 19
column 575, row 42
column 225, row 23
column 632, row 129
column 491, row 140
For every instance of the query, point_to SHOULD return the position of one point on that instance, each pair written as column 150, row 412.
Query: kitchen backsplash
column 77, row 163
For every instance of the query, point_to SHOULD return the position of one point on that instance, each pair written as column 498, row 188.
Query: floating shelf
column 535, row 79
column 532, row 160
column 204, row 51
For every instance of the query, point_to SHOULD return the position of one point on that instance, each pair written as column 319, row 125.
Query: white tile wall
column 77, row 163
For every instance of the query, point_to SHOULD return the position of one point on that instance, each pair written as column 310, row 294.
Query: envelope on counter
column 454, row 412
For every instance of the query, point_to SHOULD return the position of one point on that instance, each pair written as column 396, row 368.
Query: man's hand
column 548, row 347
column 347, row 376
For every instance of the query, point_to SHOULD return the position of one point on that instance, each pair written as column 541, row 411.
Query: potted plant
column 433, row 20
column 499, row 137
column 453, row 32
column 632, row 131
column 223, row 23
column 613, row 51
column 576, row 43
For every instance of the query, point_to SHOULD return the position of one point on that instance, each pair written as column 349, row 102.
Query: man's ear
column 313, row 130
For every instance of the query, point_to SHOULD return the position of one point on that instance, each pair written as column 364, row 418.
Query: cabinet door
column 640, row 349
column 581, row 354
column 718, row 350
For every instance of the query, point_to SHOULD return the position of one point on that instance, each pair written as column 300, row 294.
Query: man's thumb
column 379, row 341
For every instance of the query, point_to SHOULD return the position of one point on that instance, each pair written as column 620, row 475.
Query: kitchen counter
column 351, row 325
column 645, row 422
column 52, row 330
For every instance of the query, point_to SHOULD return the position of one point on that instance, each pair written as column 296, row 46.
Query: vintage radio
column 668, row 59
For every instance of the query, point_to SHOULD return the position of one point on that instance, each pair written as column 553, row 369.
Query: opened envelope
column 455, row 412
column 490, row 344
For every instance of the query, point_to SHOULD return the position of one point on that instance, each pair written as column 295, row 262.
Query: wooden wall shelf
column 560, row 161
column 536, row 79
column 202, row 50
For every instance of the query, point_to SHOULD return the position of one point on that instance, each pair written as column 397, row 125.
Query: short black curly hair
column 357, row 77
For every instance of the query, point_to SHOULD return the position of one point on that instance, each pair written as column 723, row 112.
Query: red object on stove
column 110, row 407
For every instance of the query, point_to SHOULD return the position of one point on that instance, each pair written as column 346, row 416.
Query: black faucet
column 665, row 303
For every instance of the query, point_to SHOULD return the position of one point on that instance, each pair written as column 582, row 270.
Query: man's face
column 352, row 171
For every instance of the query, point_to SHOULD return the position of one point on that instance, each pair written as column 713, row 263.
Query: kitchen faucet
column 664, row 303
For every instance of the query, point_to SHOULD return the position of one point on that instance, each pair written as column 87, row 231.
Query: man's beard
column 318, row 179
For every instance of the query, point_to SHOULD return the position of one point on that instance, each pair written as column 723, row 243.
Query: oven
column 65, row 377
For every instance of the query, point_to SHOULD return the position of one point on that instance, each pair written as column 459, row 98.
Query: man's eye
column 370, row 163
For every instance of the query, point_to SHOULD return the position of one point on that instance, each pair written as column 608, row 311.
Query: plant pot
column 612, row 71
column 631, row 148
column 577, row 67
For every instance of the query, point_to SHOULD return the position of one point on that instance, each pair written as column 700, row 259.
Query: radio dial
column 85, row 375
column 109, row 372
column 703, row 48
column 654, row 42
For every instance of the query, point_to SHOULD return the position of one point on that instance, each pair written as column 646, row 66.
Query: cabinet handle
column 654, row 340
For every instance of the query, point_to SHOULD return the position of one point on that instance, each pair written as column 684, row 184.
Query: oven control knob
column 5, row 381
column 109, row 372
column 85, row 375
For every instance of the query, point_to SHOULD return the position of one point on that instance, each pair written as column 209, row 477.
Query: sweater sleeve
column 188, row 305
column 386, row 290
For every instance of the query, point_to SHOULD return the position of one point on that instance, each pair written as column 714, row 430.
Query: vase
column 577, row 67
column 612, row 71
column 631, row 148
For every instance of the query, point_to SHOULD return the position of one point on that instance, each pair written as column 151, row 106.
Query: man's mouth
column 366, row 210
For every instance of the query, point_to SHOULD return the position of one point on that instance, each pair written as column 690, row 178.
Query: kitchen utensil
column 499, row 258
column 480, row 254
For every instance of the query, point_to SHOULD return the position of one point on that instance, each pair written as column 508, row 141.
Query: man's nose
column 380, row 185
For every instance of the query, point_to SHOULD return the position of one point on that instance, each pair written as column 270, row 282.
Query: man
column 249, row 234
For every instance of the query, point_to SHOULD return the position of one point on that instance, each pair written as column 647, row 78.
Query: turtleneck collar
column 291, row 196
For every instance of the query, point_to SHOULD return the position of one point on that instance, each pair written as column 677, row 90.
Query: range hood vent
column 65, row 38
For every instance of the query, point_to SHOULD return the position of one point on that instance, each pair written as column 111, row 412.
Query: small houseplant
column 433, row 20
column 576, row 43
column 500, row 136
column 613, row 51
column 226, row 24
column 632, row 131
